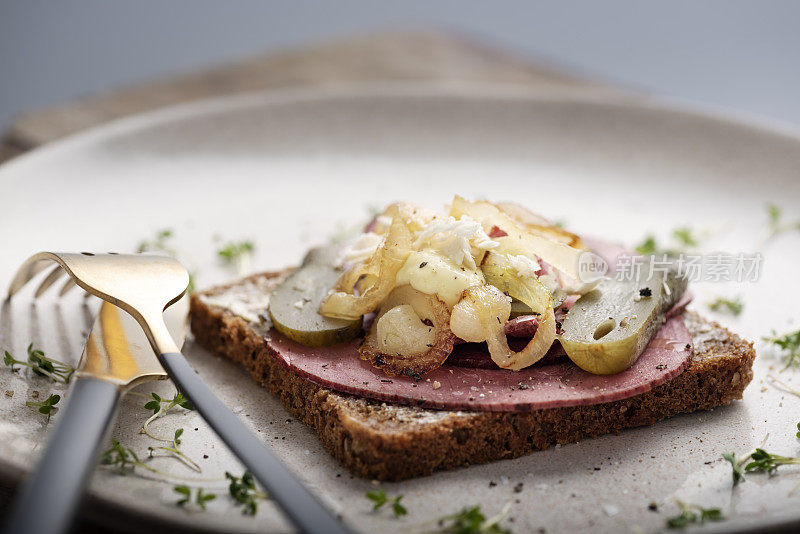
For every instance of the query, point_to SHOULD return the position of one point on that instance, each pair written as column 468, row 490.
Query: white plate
column 288, row 169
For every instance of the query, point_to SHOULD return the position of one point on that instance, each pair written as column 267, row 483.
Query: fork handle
column 297, row 502
column 64, row 469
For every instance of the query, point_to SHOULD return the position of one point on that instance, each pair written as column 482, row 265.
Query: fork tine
column 49, row 280
column 67, row 287
column 26, row 272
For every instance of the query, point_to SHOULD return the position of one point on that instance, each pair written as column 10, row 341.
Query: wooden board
column 424, row 56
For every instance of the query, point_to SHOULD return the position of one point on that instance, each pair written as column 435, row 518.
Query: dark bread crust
column 393, row 442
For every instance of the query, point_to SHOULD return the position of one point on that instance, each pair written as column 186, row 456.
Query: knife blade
column 118, row 351
column 116, row 357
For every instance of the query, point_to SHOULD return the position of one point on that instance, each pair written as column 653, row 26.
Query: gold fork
column 116, row 358
column 144, row 286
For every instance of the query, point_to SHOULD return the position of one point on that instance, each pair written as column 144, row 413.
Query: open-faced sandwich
column 436, row 340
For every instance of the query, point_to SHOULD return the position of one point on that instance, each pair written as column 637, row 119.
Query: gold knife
column 117, row 350
column 117, row 357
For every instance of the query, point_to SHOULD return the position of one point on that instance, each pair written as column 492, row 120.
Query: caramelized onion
column 387, row 261
column 406, row 317
column 538, row 225
column 519, row 239
column 489, row 304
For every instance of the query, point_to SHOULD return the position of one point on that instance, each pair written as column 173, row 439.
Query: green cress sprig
column 733, row 306
column 243, row 490
column 234, row 251
column 472, row 521
column 758, row 461
column 693, row 513
column 154, row 405
column 126, row 459
column 46, row 407
column 201, row 498
column 174, row 451
column 379, row 498
column 161, row 242
column 788, row 342
column 41, row 365
column 775, row 223
column 237, row 254
column 683, row 238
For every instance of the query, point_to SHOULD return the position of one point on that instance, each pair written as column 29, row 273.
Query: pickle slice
column 294, row 305
column 519, row 308
column 608, row 328
column 322, row 256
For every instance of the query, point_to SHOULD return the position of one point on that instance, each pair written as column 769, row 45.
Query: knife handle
column 305, row 511
column 63, row 471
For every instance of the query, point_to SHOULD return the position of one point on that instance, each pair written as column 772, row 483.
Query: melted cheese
column 434, row 274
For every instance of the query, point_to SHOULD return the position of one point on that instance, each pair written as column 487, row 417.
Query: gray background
column 735, row 54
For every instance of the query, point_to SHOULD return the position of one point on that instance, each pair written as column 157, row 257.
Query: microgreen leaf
column 41, row 365
column 765, row 462
column 120, row 456
column 685, row 236
column 736, row 465
column 378, row 498
column 243, row 490
column 758, row 461
column 773, row 214
column 160, row 243
column 682, row 520
column 126, row 460
column 234, row 251
column 46, row 407
column 9, row 361
column 203, row 498
column 732, row 306
column 471, row 521
column 711, row 514
column 692, row 513
column 789, row 342
column 182, row 401
column 397, row 508
column 161, row 407
column 185, row 492
column 775, row 220
column 155, row 404
column 647, row 247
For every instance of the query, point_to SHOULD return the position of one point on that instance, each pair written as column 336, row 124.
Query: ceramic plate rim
column 601, row 97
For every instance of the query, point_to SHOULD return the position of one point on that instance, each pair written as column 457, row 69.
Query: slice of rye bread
column 393, row 442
